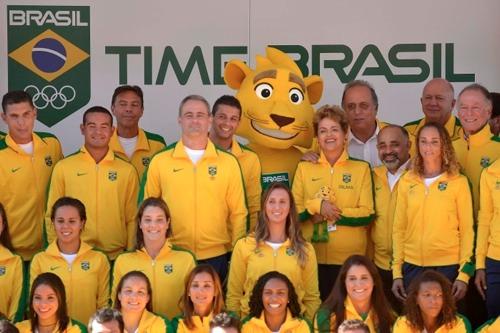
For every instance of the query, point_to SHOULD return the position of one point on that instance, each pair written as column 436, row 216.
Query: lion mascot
column 277, row 111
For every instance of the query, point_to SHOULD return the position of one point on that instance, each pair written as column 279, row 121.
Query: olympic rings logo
column 49, row 95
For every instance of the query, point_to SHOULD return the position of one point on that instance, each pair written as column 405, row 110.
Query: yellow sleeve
column 466, row 229
column 131, row 209
column 237, row 277
column 398, row 230
column 485, row 217
column 17, row 289
column 311, row 298
column 55, row 191
column 304, row 208
column 363, row 213
column 35, row 269
column 253, row 191
column 103, row 292
column 236, row 203
column 400, row 326
column 118, row 272
column 150, row 186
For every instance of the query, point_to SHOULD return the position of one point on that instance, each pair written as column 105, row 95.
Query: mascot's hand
column 317, row 218
column 329, row 211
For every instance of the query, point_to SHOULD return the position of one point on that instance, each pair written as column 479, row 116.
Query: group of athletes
column 380, row 221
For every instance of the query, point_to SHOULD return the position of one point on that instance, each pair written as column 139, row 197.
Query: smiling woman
column 78, row 265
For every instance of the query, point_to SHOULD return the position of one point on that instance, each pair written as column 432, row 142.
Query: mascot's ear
column 314, row 85
column 235, row 72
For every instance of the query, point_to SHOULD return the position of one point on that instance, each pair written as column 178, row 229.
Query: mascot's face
column 277, row 109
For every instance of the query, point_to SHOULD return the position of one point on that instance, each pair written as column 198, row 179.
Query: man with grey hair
column 106, row 320
column 203, row 187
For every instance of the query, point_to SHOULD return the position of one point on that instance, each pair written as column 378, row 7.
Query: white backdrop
column 473, row 27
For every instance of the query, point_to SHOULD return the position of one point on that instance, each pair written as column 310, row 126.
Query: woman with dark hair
column 80, row 267
column 165, row 265
column 11, row 277
column 224, row 323
column 47, row 308
column 433, row 220
column 134, row 300
column 274, row 307
column 430, row 307
column 276, row 245
column 201, row 301
column 357, row 294
column 334, row 197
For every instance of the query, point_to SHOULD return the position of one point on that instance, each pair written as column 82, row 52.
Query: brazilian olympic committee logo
column 49, row 57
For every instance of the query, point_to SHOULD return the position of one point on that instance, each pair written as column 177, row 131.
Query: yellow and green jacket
column 474, row 154
column 12, row 293
column 73, row 327
column 108, row 190
column 291, row 325
column 488, row 229
column 206, row 200
column 148, row 144
column 248, row 263
column 350, row 181
column 325, row 320
column 381, row 229
column 491, row 326
column 202, row 325
column 151, row 323
column 23, row 184
column 251, row 170
column 166, row 273
column 453, row 127
column 433, row 226
column 86, row 280
column 461, row 325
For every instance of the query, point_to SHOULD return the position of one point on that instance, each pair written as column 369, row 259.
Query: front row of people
column 273, row 306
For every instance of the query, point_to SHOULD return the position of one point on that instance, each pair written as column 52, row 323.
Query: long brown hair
column 151, row 202
column 55, row 283
column 292, row 228
column 447, row 316
column 140, row 275
column 187, row 305
column 334, row 304
column 4, row 234
column 449, row 162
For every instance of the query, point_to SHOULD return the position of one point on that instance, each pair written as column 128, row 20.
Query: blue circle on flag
column 49, row 55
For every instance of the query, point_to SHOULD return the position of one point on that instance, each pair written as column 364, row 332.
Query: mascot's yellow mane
column 277, row 109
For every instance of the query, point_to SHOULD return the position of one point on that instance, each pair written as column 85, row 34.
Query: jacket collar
column 110, row 155
column 180, row 151
column 342, row 158
column 142, row 142
column 53, row 249
column 37, row 141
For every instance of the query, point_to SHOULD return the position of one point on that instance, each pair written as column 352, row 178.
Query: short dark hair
column 361, row 83
column 226, row 100
column 97, row 109
column 106, row 315
column 7, row 327
column 353, row 324
column 69, row 201
column 495, row 98
column 225, row 320
column 121, row 89
column 140, row 275
column 150, row 202
column 198, row 98
column 15, row 97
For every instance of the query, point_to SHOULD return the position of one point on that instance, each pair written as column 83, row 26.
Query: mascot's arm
column 298, row 193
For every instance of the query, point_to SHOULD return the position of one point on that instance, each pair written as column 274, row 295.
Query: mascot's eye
column 264, row 90
column 296, row 96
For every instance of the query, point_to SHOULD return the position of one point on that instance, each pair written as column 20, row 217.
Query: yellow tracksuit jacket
column 491, row 326
column 151, row 323
column 474, row 154
column 434, row 226
column 453, row 127
column 11, row 285
column 325, row 321
column 166, row 273
column 488, row 229
column 206, row 200
column 201, row 326
column 251, row 170
column 73, row 327
column 291, row 325
column 381, row 229
column 108, row 190
column 462, row 325
column 351, row 182
column 249, row 263
column 148, row 144
column 86, row 280
column 18, row 173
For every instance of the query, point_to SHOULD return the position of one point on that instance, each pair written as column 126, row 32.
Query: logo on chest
column 112, row 175
column 48, row 160
column 485, row 161
column 85, row 265
column 168, row 268
column 146, row 160
column 212, row 170
column 3, row 270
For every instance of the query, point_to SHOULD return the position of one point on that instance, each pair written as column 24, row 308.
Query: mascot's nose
column 281, row 121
